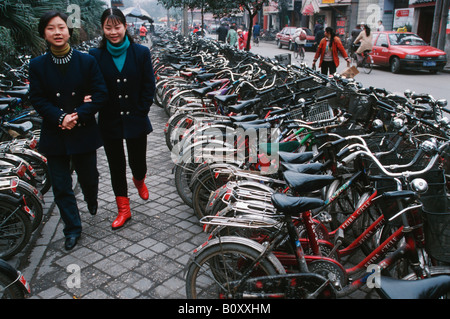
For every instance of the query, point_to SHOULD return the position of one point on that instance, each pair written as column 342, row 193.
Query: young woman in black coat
column 60, row 80
column 128, row 71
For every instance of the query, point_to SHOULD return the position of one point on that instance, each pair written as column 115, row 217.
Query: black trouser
column 115, row 152
column 60, row 171
column 328, row 66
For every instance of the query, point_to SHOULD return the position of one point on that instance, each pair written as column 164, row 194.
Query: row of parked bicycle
column 292, row 173
column 23, row 174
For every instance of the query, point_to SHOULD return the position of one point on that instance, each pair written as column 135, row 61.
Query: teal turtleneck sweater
column 118, row 52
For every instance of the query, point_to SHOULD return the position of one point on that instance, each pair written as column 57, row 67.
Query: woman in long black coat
column 128, row 71
column 59, row 82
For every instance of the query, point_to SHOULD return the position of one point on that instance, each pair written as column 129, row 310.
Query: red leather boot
column 142, row 189
column 123, row 205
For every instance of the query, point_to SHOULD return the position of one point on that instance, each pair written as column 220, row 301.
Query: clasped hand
column 71, row 120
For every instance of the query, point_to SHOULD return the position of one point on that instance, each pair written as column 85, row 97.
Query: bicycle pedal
column 324, row 217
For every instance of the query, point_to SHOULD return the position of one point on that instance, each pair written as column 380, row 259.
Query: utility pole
column 436, row 24
column 443, row 29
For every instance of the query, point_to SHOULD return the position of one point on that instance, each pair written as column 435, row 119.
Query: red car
column 284, row 37
column 406, row 50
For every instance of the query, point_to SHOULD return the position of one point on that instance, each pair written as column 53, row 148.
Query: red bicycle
column 236, row 267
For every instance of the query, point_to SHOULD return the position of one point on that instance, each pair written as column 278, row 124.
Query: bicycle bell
column 377, row 124
column 408, row 93
column 429, row 146
column 441, row 103
column 419, row 185
column 397, row 122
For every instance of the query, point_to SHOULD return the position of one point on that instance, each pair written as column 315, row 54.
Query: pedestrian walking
column 242, row 39
column 380, row 26
column 256, row 30
column 365, row 40
column 128, row 71
column 143, row 33
column 222, row 32
column 319, row 33
column 67, row 89
column 232, row 36
column 328, row 51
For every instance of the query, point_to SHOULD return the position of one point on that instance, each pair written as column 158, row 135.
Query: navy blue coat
column 130, row 91
column 53, row 93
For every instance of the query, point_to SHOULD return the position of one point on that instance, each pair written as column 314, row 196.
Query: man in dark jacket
column 222, row 32
column 319, row 33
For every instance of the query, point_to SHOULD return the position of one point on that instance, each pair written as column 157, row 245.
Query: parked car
column 284, row 37
column 406, row 50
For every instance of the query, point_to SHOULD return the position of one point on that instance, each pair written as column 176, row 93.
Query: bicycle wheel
column 40, row 166
column 354, row 59
column 296, row 54
column 302, row 54
column 367, row 65
column 223, row 261
column 205, row 183
column 15, row 230
column 8, row 290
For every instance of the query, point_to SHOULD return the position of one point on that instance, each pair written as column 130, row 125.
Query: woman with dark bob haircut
column 67, row 89
column 128, row 71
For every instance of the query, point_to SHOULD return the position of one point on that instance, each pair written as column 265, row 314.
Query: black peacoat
column 130, row 91
column 53, row 93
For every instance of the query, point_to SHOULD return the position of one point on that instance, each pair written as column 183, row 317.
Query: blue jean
column 60, row 169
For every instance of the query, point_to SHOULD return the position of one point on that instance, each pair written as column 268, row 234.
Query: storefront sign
column 403, row 17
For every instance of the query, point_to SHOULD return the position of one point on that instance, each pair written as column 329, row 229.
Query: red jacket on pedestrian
column 242, row 40
column 336, row 48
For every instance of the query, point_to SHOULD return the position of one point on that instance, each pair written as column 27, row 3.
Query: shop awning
column 310, row 7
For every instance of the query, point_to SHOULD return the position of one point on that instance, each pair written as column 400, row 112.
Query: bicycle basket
column 320, row 112
column 361, row 108
column 436, row 216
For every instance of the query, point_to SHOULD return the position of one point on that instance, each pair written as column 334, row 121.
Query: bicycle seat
column 243, row 105
column 9, row 100
column 225, row 98
column 17, row 93
column 244, row 118
column 302, row 183
column 205, row 76
column 252, row 125
column 290, row 205
column 429, row 288
column 20, row 128
column 398, row 194
column 299, row 158
column 4, row 108
column 213, row 83
column 311, row 168
column 202, row 91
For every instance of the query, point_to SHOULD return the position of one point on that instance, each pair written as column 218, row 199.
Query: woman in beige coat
column 365, row 38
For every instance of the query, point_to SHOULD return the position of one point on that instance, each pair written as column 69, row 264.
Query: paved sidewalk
column 145, row 259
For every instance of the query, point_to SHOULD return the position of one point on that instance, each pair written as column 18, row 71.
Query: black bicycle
column 366, row 63
column 299, row 52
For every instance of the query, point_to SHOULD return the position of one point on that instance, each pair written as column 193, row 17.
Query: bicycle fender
column 241, row 241
column 14, row 275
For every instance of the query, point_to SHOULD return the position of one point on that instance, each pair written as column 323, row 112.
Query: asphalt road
column 438, row 85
